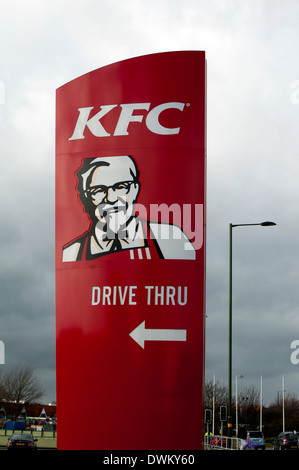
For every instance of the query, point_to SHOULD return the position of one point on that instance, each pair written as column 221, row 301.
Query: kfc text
column 126, row 116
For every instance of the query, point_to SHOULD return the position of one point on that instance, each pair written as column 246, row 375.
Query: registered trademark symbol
column 188, row 104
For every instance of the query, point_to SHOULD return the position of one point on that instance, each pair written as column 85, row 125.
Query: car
column 255, row 440
column 286, row 440
column 21, row 441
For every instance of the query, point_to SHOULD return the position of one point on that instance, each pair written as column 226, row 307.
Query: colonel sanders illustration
column 108, row 188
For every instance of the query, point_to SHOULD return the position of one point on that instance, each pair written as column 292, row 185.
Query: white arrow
column 140, row 334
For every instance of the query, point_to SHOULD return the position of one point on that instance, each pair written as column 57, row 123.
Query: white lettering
column 166, row 296
column 114, row 460
column 294, row 355
column 152, row 120
column 170, row 293
column 95, row 295
column 93, row 123
column 126, row 295
column 170, row 459
column 116, row 295
column 191, row 216
column 125, row 117
column 106, row 295
column 159, row 295
column 197, row 235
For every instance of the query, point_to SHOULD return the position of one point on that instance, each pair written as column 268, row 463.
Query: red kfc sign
column 130, row 255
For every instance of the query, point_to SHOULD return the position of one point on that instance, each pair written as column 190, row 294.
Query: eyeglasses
column 98, row 193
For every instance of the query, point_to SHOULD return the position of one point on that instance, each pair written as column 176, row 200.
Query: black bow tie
column 116, row 245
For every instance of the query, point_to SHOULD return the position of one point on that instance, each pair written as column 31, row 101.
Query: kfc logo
column 108, row 188
column 126, row 116
column 130, row 218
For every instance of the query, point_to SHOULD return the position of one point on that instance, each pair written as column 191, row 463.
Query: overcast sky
column 253, row 165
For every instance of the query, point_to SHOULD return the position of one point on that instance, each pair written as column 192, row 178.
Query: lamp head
column 267, row 224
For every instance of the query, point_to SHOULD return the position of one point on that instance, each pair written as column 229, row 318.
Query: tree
column 248, row 404
column 215, row 394
column 274, row 415
column 216, row 391
column 2, row 389
column 249, row 407
column 20, row 385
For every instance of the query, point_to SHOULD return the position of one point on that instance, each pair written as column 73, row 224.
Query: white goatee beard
column 113, row 220
column 116, row 222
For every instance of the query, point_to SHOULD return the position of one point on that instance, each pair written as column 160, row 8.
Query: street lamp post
column 229, row 407
column 241, row 376
column 283, row 410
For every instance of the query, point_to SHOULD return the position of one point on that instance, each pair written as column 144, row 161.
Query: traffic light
column 223, row 413
column 208, row 416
